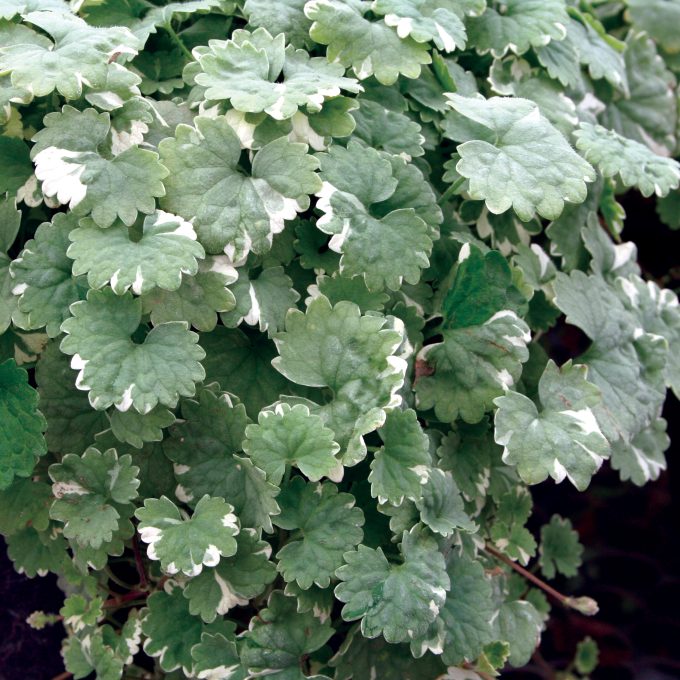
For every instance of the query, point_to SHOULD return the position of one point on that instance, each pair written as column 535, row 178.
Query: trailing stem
column 585, row 605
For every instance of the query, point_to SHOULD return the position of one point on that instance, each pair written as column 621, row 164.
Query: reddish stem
column 584, row 605
column 143, row 582
column 120, row 599
column 63, row 676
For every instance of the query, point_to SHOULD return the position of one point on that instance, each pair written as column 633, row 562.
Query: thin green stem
column 178, row 41
column 451, row 190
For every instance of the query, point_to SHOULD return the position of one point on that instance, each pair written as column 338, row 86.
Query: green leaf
column 472, row 366
column 281, row 638
column 508, row 531
column 93, row 494
column 89, row 654
column 242, row 364
column 42, row 277
column 287, row 16
column 78, row 170
column 468, row 612
column 262, row 301
column 668, row 209
column 292, row 436
column 362, row 658
column 621, row 354
column 520, row 25
column 24, row 503
column 353, row 355
column 172, row 632
column 76, row 54
column 118, row 371
column 439, row 21
column 198, row 299
column 36, row 553
column 587, row 656
column 642, row 459
column 338, row 287
column 234, row 581
column 216, row 656
column 599, row 51
column 647, row 113
column 656, row 17
column 15, row 160
column 520, row 625
column 401, row 466
column 256, row 72
column 633, row 162
column 79, row 613
column 441, row 506
column 356, row 181
column 185, row 545
column 204, row 448
column 234, row 211
column 586, row 43
column 71, row 422
column 157, row 254
column 325, row 525
column 386, row 130
column 561, row 440
column 479, row 289
column 135, row 429
column 21, row 424
column 398, row 601
column 370, row 48
column 560, row 550
column 514, row 158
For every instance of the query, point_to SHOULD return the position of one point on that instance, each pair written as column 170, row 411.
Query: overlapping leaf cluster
column 274, row 284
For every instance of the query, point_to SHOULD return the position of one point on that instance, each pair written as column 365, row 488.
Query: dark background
column 631, row 535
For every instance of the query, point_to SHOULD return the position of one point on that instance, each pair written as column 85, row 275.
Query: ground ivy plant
column 276, row 284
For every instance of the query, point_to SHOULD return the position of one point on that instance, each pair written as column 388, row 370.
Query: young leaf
column 560, row 549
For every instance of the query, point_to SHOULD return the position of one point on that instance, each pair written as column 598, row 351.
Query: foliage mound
column 275, row 284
